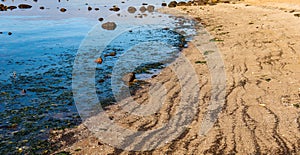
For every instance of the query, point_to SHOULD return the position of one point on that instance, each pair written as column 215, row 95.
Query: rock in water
column 99, row 61
column 24, row 6
column 11, row 7
column 150, row 8
column 63, row 10
column 129, row 77
column 115, row 8
column 131, row 9
column 111, row 54
column 109, row 26
column 143, row 9
column 100, row 19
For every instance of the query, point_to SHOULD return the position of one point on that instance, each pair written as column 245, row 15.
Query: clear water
column 39, row 57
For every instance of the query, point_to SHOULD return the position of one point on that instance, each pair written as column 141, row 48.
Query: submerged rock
column 109, row 26
column 110, row 54
column 24, row 6
column 129, row 77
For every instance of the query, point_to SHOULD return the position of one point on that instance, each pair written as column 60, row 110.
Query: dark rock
column 129, row 77
column 189, row 3
column 24, row 6
column 224, row 1
column 35, row 0
column 172, row 4
column 63, row 10
column 101, row 80
column 131, row 9
column 100, row 19
column 42, row 8
column 3, row 7
column 143, row 9
column 9, row 33
column 115, row 8
column 163, row 4
column 181, row 4
column 90, row 8
column 12, row 7
column 1, row 32
column 150, row 8
column 109, row 26
column 144, row 4
column 97, row 9
column 297, row 14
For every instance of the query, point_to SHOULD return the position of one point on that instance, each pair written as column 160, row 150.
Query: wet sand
column 260, row 47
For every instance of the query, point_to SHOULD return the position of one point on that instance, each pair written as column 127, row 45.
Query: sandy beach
column 259, row 42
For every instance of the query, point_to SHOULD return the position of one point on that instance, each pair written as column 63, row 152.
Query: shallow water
column 39, row 58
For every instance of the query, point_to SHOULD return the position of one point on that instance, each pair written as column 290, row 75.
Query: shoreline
column 261, row 55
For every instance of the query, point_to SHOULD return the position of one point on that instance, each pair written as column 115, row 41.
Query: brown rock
column 181, row 4
column 109, row 26
column 115, row 8
column 131, row 9
column 12, row 7
column 24, row 6
column 99, row 60
column 110, row 54
column 90, row 8
column 172, row 4
column 143, row 9
column 63, row 10
column 150, row 8
column 163, row 4
column 129, row 77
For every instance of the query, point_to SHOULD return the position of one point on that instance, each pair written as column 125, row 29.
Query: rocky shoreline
column 261, row 111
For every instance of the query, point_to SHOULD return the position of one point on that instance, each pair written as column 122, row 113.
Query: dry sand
column 260, row 46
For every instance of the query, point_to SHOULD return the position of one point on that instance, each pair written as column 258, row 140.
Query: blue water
column 39, row 56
